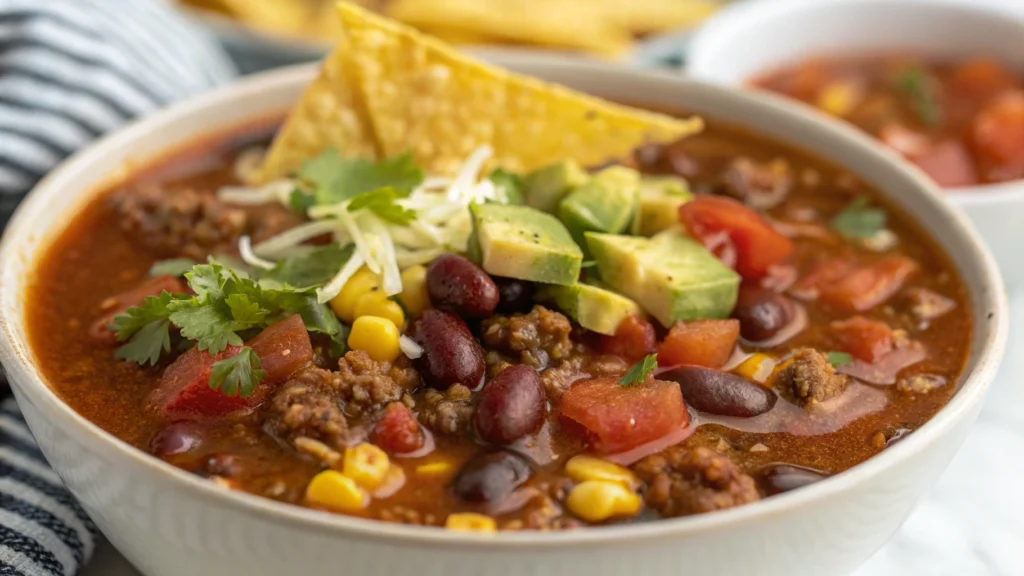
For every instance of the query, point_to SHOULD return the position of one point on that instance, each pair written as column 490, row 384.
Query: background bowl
column 747, row 40
column 169, row 522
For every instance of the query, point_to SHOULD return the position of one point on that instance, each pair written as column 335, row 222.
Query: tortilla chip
column 423, row 96
column 330, row 113
column 653, row 16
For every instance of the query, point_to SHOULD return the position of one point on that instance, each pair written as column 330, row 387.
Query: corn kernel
column 470, row 522
column 758, row 367
column 332, row 489
column 439, row 469
column 362, row 282
column 839, row 98
column 599, row 500
column 582, row 468
column 376, row 336
column 376, row 303
column 366, row 464
column 414, row 294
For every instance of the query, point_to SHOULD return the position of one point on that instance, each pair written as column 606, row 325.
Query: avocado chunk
column 545, row 187
column 524, row 243
column 660, row 199
column 606, row 203
column 595, row 308
column 672, row 276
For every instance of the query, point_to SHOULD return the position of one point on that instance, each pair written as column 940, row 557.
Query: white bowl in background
column 169, row 522
column 750, row 39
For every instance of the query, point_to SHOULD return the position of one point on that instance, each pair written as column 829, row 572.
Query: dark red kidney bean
column 720, row 393
column 514, row 295
column 177, row 438
column 490, row 477
column 450, row 353
column 761, row 312
column 785, row 477
column 458, row 285
column 511, row 405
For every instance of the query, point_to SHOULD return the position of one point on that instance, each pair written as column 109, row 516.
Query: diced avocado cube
column 606, row 203
column 660, row 199
column 672, row 276
column 525, row 243
column 545, row 187
column 593, row 307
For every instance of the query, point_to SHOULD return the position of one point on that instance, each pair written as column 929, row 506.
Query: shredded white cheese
column 410, row 348
column 250, row 258
column 328, row 291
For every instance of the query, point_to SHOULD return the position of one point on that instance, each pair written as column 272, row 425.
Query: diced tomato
column 997, row 136
column 102, row 334
column 981, row 79
column 397, row 431
column 185, row 394
column 825, row 272
column 948, row 163
column 869, row 286
column 862, row 337
column 757, row 245
column 707, row 343
column 618, row 418
column 633, row 339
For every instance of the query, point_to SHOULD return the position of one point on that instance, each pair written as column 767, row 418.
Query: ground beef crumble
column 809, row 378
column 448, row 412
column 682, row 481
column 539, row 339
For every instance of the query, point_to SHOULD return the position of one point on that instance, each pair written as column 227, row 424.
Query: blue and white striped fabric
column 70, row 71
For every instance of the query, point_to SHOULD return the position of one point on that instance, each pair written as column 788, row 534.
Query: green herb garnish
column 588, row 264
column 308, row 266
column 510, row 184
column 237, row 374
column 335, row 179
column 382, row 203
column 174, row 267
column 640, row 371
column 922, row 91
column 838, row 359
column 858, row 220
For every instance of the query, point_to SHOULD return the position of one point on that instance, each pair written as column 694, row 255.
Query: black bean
column 514, row 295
column 490, row 477
column 785, row 477
column 761, row 312
column 720, row 393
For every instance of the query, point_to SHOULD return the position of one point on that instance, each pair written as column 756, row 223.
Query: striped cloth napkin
column 71, row 71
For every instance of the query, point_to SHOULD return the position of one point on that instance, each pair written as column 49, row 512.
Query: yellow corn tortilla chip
column 652, row 16
column 423, row 96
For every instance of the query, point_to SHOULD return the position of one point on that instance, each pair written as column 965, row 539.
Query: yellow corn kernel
column 470, row 522
column 332, row 489
column 758, row 367
column 366, row 464
column 839, row 98
column 414, row 294
column 439, row 469
column 376, row 336
column 599, row 500
column 376, row 303
column 582, row 468
column 344, row 304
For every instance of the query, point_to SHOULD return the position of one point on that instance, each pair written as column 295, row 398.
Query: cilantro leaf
column 640, row 371
column 238, row 374
column 510, row 184
column 320, row 319
column 152, row 309
column 858, row 220
column 922, row 91
column 335, row 179
column 244, row 311
column 207, row 281
column 300, row 202
column 174, row 267
column 382, row 203
column 588, row 264
column 309, row 267
column 146, row 345
column 211, row 327
column 838, row 359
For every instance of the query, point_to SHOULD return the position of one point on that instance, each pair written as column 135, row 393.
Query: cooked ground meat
column 920, row 383
column 810, row 378
column 557, row 379
column 682, row 481
column 188, row 222
column 317, row 404
column 538, row 339
column 449, row 412
column 760, row 185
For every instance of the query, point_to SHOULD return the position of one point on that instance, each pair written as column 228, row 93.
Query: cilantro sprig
column 640, row 371
column 838, row 359
column 921, row 89
column 859, row 220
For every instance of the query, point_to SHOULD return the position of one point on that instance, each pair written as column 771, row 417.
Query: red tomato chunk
column 757, row 245
column 869, row 286
column 866, row 339
column 397, row 431
column 707, row 343
column 633, row 339
column 617, row 418
column 998, row 137
column 100, row 330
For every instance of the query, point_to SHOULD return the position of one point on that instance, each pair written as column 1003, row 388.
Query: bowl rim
column 753, row 12
column 27, row 381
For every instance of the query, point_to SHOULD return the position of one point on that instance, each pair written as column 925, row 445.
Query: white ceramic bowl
column 169, row 522
column 752, row 38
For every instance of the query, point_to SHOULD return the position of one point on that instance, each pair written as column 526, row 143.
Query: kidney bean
column 177, row 438
column 514, row 295
column 511, row 405
column 490, row 477
column 761, row 312
column 458, row 285
column 720, row 393
column 785, row 477
column 450, row 353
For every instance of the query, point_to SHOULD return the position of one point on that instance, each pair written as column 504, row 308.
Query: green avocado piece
column 525, row 243
column 545, row 187
column 660, row 199
column 671, row 275
column 604, row 204
column 595, row 308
